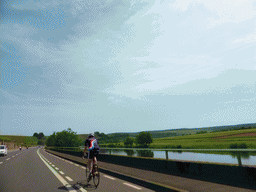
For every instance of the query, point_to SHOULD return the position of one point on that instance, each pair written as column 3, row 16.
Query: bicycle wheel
column 96, row 177
column 87, row 173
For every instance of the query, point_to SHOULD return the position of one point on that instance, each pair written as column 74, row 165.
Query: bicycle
column 95, row 172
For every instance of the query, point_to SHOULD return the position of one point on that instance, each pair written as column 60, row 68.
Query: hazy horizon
column 120, row 65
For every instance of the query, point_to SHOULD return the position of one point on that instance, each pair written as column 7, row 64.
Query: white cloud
column 182, row 5
column 249, row 39
column 233, row 11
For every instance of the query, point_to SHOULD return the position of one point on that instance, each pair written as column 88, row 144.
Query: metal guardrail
column 170, row 150
column 166, row 149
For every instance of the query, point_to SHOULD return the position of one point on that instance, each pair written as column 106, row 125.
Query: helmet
column 91, row 135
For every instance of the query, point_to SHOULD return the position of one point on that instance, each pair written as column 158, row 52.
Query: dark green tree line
column 66, row 138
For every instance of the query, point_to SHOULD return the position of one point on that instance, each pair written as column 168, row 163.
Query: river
column 240, row 158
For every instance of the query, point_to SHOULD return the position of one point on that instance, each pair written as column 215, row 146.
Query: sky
column 126, row 65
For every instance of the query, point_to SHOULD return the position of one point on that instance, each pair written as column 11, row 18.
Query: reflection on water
column 231, row 157
column 239, row 155
column 129, row 152
column 145, row 153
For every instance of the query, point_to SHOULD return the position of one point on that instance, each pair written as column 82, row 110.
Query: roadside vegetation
column 242, row 139
column 66, row 138
column 15, row 141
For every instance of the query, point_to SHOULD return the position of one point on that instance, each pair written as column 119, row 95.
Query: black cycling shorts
column 93, row 153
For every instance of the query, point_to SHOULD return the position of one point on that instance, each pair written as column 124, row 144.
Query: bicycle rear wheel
column 96, row 179
column 96, row 176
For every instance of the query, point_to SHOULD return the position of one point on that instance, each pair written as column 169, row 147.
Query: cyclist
column 91, row 144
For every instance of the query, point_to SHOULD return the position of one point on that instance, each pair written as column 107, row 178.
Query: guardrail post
column 166, row 154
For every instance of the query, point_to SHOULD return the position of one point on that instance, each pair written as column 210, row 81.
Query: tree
column 144, row 138
column 40, row 135
column 35, row 135
column 129, row 141
column 66, row 138
column 51, row 140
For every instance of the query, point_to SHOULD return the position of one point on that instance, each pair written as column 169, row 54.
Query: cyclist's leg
column 94, row 160
column 90, row 159
column 95, row 154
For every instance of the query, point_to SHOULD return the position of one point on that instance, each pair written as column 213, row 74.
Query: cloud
column 233, row 11
column 248, row 39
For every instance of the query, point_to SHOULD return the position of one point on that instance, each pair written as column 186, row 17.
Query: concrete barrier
column 223, row 174
column 239, row 176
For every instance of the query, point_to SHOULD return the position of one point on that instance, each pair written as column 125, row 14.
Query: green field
column 217, row 140
column 19, row 140
column 211, row 140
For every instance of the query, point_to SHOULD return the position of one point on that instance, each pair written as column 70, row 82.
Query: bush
column 111, row 145
column 233, row 146
column 243, row 146
column 236, row 146
column 128, row 142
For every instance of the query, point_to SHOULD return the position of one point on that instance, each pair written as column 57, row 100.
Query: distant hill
column 118, row 137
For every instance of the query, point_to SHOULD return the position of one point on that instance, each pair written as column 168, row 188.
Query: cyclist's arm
column 85, row 149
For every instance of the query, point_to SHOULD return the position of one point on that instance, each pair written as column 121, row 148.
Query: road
column 35, row 170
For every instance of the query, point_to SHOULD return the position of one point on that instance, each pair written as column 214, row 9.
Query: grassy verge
column 19, row 140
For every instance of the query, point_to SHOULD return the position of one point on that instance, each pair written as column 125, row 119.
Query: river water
column 245, row 158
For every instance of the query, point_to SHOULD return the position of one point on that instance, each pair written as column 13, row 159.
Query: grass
column 211, row 140
column 208, row 140
column 19, row 140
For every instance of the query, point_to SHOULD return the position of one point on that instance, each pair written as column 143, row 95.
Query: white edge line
column 133, row 186
column 109, row 177
column 63, row 181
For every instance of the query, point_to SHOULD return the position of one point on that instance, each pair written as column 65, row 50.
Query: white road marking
column 61, row 172
column 63, row 181
column 109, row 177
column 83, row 167
column 13, row 156
column 71, row 163
column 7, row 159
column 68, row 178
column 1, row 162
column 133, row 186
column 56, row 168
column 53, row 165
column 76, row 165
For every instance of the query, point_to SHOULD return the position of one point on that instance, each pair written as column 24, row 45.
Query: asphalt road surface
column 35, row 170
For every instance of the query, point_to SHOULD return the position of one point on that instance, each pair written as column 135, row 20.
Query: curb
column 144, row 183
